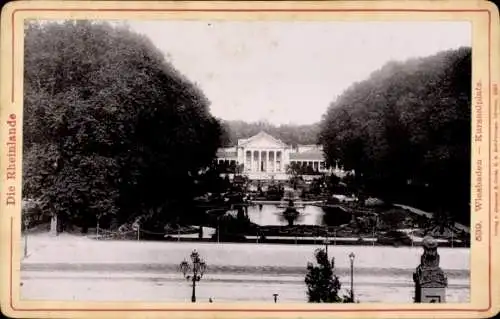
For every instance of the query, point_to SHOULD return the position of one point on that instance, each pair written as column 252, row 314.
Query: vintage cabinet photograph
column 242, row 158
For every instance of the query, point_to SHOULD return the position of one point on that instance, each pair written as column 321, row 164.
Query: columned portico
column 264, row 157
column 262, row 160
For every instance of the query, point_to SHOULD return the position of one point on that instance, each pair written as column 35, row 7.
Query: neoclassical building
column 265, row 157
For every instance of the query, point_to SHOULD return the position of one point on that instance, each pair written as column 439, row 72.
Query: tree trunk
column 53, row 225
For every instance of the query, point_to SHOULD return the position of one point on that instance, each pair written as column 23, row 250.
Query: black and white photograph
column 262, row 161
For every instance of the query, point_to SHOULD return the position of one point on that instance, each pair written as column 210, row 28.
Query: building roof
column 315, row 146
column 311, row 156
column 242, row 141
column 226, row 154
column 262, row 136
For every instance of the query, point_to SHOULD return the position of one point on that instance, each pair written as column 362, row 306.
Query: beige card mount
column 202, row 159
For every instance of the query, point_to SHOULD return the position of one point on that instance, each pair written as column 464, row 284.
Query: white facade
column 265, row 157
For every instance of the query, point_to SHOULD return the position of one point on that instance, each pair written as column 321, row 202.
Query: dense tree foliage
column 287, row 133
column 406, row 132
column 109, row 126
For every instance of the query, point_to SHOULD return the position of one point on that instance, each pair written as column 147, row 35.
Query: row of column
column 317, row 165
column 262, row 161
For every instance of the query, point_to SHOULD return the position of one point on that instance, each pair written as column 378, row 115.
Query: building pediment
column 262, row 141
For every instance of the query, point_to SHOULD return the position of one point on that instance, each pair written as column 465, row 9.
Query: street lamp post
column 326, row 246
column 351, row 258
column 335, row 237
column 135, row 227
column 327, row 241
column 178, row 231
column 198, row 267
column 373, row 231
column 218, row 229
column 411, row 234
column 97, row 226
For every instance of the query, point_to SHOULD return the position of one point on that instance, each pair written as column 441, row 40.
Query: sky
column 289, row 72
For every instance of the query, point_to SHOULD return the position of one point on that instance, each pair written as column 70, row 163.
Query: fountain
column 290, row 198
column 291, row 213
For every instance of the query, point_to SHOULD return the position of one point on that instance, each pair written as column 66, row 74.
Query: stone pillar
column 260, row 161
column 53, row 225
column 271, row 164
column 267, row 161
column 276, row 161
column 257, row 161
column 430, row 280
column 249, row 168
column 280, row 164
column 264, row 159
column 251, row 161
column 254, row 161
column 274, row 164
column 268, row 165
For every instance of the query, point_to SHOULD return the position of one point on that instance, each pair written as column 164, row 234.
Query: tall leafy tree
column 406, row 132
column 109, row 126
